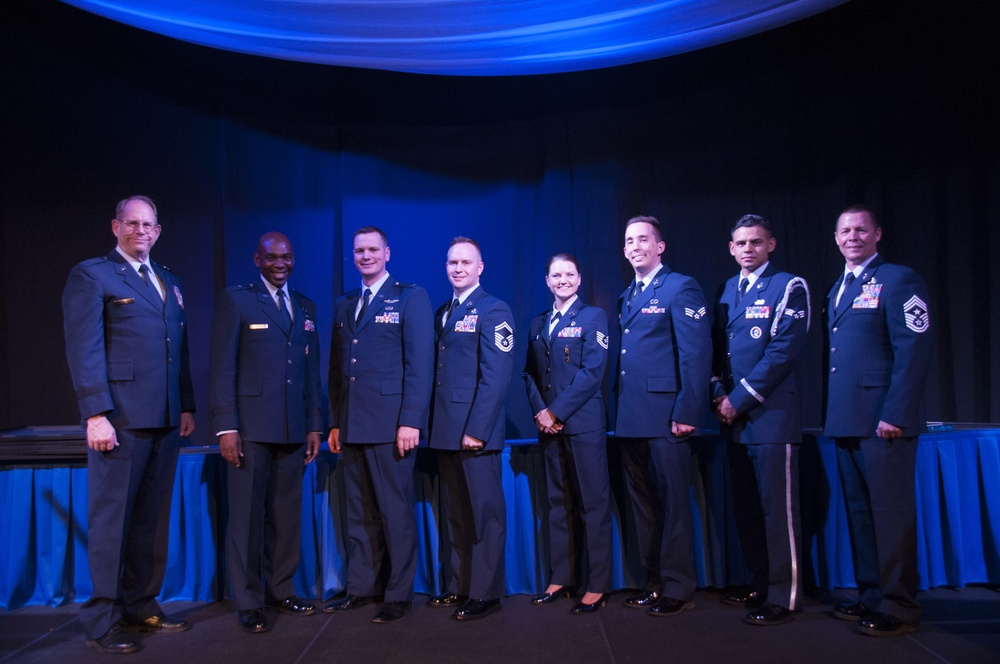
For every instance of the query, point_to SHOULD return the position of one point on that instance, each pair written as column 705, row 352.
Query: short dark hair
column 652, row 221
column 364, row 230
column 860, row 207
column 569, row 258
column 461, row 239
column 138, row 197
column 751, row 220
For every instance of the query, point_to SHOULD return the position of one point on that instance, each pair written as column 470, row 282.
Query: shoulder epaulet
column 160, row 266
column 95, row 261
column 404, row 284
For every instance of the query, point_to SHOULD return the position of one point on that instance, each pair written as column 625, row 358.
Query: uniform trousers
column 766, row 504
column 579, row 499
column 879, row 481
column 473, row 503
column 658, row 475
column 264, row 530
column 380, row 521
column 129, row 491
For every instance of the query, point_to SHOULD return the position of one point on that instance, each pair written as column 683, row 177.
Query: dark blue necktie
column 286, row 318
column 364, row 305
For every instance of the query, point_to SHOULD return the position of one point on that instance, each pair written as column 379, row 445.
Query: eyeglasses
column 131, row 225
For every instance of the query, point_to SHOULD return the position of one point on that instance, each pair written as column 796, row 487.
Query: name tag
column 869, row 296
column 467, row 324
column 126, row 300
column 258, row 326
column 570, row 333
column 758, row 312
column 653, row 310
column 391, row 317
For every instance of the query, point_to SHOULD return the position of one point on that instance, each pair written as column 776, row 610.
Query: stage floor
column 960, row 626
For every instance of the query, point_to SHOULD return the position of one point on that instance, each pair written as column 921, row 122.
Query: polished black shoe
column 582, row 607
column 114, row 642
column 390, row 612
column 348, row 603
column 548, row 598
column 853, row 612
column 446, row 601
column 294, row 605
column 668, row 606
column 474, row 609
column 769, row 614
column 750, row 599
column 158, row 623
column 253, row 621
column 880, row 624
column 643, row 601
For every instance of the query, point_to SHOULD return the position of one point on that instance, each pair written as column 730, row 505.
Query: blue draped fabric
column 459, row 37
column 43, row 552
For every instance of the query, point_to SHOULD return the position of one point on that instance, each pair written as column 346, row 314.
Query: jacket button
column 623, row 351
column 354, row 341
column 834, row 330
column 626, row 330
column 833, row 350
column 289, row 381
column 353, row 360
column 352, row 379
column 833, row 369
column 623, row 373
column 731, row 335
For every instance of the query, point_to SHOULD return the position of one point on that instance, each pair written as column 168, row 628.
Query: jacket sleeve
column 335, row 375
column 783, row 348
column 587, row 380
column 313, row 383
column 908, row 321
column 83, row 322
column 418, row 360
column 693, row 341
column 531, row 370
column 223, row 412
column 495, row 368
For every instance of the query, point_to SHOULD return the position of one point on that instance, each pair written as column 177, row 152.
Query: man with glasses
column 126, row 342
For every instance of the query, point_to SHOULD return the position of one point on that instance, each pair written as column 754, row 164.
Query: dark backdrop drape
column 892, row 104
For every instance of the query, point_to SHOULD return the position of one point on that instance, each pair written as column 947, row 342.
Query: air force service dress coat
column 879, row 354
column 757, row 343
column 265, row 384
column 474, row 365
column 563, row 372
column 381, row 372
column 128, row 356
column 661, row 365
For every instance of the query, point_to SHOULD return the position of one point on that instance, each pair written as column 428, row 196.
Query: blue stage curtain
column 43, row 556
column 459, row 37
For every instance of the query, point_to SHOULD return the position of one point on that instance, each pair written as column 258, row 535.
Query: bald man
column 267, row 410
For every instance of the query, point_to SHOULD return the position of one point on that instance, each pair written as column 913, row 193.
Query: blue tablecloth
column 43, row 553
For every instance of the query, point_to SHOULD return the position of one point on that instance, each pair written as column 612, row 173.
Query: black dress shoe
column 294, row 605
column 390, row 612
column 474, row 609
column 446, row 601
column 768, row 614
column 668, row 606
column 880, row 624
column 158, row 623
column 253, row 621
column 548, row 598
column 114, row 642
column 643, row 601
column 853, row 612
column 582, row 607
column 750, row 599
column 348, row 603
